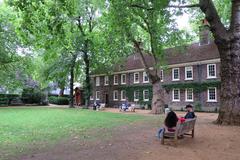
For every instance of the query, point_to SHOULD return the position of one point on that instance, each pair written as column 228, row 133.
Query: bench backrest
column 185, row 127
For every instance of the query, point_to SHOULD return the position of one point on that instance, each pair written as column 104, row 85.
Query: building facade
column 190, row 77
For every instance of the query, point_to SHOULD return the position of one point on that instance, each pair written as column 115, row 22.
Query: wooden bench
column 185, row 128
column 101, row 107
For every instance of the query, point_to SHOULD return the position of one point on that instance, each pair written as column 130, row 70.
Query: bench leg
column 176, row 141
column 193, row 133
column 162, row 140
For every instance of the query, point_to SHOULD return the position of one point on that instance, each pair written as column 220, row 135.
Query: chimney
column 204, row 33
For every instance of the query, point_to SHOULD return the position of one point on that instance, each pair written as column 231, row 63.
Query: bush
column 58, row 100
column 33, row 96
column 4, row 101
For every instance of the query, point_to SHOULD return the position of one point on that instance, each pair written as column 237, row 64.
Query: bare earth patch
column 138, row 142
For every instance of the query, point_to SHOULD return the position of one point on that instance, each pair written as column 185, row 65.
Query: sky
column 183, row 22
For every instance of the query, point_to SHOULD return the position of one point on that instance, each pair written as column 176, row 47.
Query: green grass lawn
column 21, row 128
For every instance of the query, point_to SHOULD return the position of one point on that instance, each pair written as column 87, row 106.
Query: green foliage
column 196, row 86
column 5, row 99
column 33, row 96
column 58, row 100
column 197, row 106
column 148, row 22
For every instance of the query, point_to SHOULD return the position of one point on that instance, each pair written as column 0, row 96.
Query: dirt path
column 138, row 142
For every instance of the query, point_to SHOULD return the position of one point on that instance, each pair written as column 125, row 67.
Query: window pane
column 175, row 73
column 176, row 95
column 212, row 94
column 136, row 95
column 211, row 70
column 189, row 94
column 145, row 94
column 116, row 79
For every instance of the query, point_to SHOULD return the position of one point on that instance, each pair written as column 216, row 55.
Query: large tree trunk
column 87, row 88
column 158, row 98
column 73, row 62
column 71, row 100
column 228, row 43
column 229, row 112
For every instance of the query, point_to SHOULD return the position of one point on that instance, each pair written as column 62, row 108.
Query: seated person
column 170, row 124
column 125, row 106
column 96, row 105
column 190, row 113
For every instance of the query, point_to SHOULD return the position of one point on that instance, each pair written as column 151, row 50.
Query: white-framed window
column 115, row 95
column 211, row 71
column 97, row 81
column 212, row 94
column 175, row 74
column 97, row 95
column 123, row 95
column 145, row 95
column 161, row 75
column 176, row 95
column 136, row 96
column 145, row 78
column 136, row 77
column 189, row 73
column 115, row 79
column 189, row 95
column 106, row 80
column 123, row 78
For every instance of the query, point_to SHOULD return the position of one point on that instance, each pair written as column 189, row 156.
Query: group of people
column 126, row 106
column 172, row 119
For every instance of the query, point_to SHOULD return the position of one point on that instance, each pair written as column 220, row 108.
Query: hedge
column 58, row 100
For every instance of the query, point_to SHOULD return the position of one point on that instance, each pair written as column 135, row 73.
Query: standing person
column 77, row 96
column 190, row 113
column 170, row 124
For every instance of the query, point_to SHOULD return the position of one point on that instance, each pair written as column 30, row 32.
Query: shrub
column 4, row 101
column 58, row 100
column 33, row 96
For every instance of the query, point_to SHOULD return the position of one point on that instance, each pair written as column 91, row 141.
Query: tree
column 67, row 28
column 14, row 63
column 149, row 27
column 227, row 39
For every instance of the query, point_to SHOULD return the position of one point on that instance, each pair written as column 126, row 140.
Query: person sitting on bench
column 190, row 113
column 170, row 124
column 125, row 105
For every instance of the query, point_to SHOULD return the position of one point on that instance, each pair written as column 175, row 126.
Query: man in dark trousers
column 190, row 113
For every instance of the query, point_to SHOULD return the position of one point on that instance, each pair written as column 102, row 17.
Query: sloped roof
column 192, row 53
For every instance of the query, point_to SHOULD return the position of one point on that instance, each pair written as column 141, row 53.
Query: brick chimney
column 204, row 33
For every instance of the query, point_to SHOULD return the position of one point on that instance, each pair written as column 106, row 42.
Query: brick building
column 191, row 77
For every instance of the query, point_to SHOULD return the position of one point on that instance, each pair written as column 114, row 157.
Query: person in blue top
column 190, row 113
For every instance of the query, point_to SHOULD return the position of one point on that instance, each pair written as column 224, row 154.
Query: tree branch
column 140, row 7
column 211, row 14
column 80, row 26
column 184, row 6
